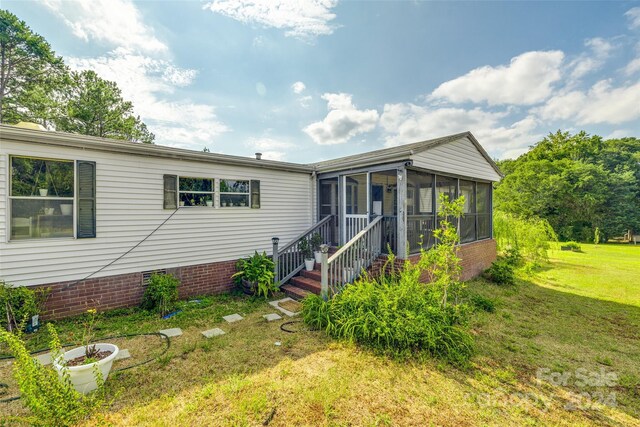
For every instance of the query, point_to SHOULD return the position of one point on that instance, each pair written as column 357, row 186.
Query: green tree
column 30, row 73
column 577, row 183
column 94, row 106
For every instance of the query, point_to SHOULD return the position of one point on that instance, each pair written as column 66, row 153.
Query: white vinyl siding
column 460, row 157
column 129, row 205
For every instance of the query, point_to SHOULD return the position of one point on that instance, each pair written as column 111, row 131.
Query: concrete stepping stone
column 123, row 354
column 213, row 333
column 44, row 359
column 172, row 332
column 272, row 316
column 285, row 311
column 233, row 318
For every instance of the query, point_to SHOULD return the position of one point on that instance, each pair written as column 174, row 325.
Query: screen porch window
column 468, row 219
column 195, row 192
column 483, row 200
column 41, row 198
column 235, row 193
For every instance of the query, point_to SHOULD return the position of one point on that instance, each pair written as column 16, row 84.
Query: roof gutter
column 83, row 142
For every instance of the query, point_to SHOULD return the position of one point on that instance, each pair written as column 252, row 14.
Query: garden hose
column 144, row 362
column 291, row 331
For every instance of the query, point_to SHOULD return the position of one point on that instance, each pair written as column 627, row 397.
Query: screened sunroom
column 403, row 186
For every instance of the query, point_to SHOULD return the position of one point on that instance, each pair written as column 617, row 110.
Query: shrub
column 501, row 273
column 529, row 237
column 482, row 303
column 52, row 400
column 258, row 271
column 571, row 246
column 398, row 314
column 161, row 293
column 18, row 304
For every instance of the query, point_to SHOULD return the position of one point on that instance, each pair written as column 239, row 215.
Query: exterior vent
column 258, row 156
column 146, row 275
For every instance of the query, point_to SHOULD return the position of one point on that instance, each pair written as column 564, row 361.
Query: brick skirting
column 475, row 257
column 125, row 290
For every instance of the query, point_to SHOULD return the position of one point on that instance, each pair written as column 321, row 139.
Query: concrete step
column 306, row 284
column 294, row 292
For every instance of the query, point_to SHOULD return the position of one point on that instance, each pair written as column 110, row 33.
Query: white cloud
column 632, row 67
column 527, row 80
column 303, row 19
column 115, row 22
column 298, row 87
column 602, row 103
column 146, row 82
column 343, row 121
column 305, row 101
column 405, row 123
column 600, row 50
column 271, row 149
column 634, row 17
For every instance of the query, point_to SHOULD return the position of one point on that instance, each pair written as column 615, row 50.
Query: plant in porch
column 88, row 366
column 316, row 241
column 304, row 246
column 256, row 274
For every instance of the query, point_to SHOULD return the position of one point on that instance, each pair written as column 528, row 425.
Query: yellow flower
column 92, row 311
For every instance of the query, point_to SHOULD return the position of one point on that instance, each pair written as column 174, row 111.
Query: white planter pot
column 209, row 203
column 309, row 264
column 318, row 256
column 82, row 377
column 43, row 192
column 66, row 209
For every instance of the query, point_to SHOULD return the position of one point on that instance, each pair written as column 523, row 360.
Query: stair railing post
column 324, row 272
column 274, row 242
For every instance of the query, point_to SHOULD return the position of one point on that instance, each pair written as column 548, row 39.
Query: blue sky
column 315, row 79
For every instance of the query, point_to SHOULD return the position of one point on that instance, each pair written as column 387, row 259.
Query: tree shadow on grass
column 549, row 340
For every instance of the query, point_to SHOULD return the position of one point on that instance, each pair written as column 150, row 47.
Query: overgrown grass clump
column 400, row 314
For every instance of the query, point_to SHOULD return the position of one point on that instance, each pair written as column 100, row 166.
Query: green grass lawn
column 579, row 317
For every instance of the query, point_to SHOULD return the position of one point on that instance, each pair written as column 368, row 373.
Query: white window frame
column 10, row 198
column 224, row 193
column 212, row 193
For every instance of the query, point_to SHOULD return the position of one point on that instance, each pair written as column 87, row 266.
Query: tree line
column 37, row 86
column 578, row 183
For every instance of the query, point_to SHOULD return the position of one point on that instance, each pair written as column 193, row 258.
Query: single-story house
column 92, row 218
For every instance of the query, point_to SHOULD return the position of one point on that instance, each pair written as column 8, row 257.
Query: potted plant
column 256, row 274
column 305, row 248
column 43, row 192
column 316, row 241
column 66, row 208
column 89, row 364
column 210, row 203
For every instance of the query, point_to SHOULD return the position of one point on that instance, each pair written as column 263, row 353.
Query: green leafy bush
column 18, row 304
column 482, row 303
column 258, row 272
column 571, row 246
column 398, row 314
column 501, row 272
column 527, row 237
column 161, row 293
column 52, row 400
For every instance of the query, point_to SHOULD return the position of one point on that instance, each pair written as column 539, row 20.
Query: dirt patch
column 93, row 358
column 292, row 306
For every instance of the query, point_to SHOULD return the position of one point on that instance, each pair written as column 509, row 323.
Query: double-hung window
column 46, row 195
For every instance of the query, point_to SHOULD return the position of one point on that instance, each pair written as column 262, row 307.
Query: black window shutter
column 170, row 191
column 255, row 194
column 86, row 223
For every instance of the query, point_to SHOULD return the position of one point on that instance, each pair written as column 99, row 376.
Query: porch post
column 274, row 242
column 401, row 235
column 324, row 272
